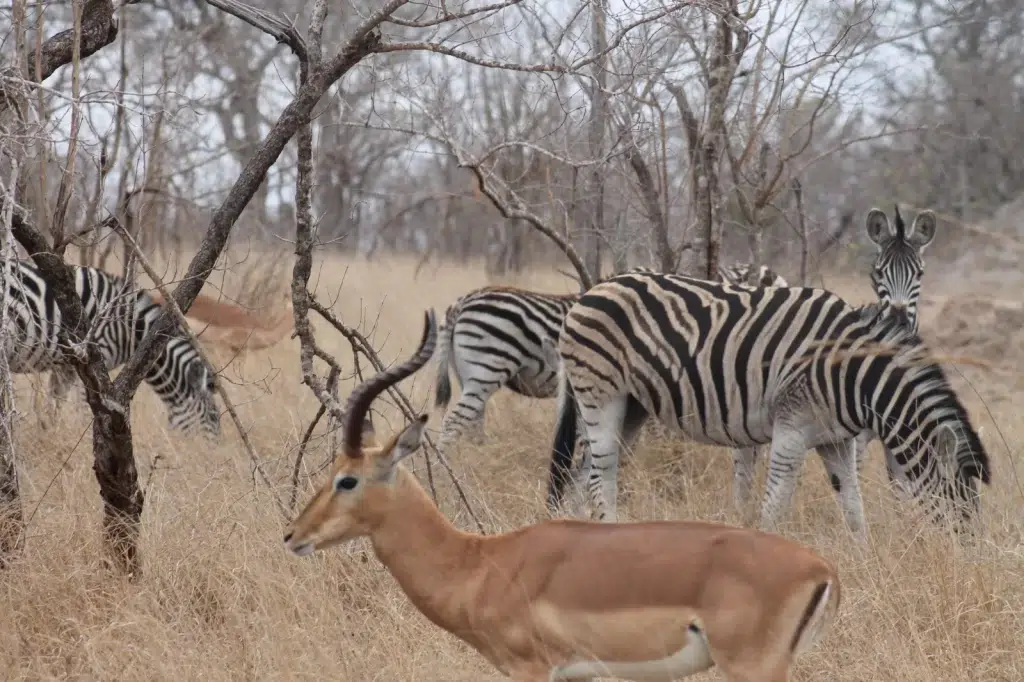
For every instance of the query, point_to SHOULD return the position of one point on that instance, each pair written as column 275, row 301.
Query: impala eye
column 342, row 482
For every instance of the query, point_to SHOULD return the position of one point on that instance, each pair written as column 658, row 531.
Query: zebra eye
column 345, row 482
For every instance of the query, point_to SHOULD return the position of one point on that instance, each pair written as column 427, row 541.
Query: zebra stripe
column 118, row 320
column 899, row 267
column 739, row 366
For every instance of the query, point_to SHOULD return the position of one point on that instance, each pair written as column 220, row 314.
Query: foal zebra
column 118, row 319
column 797, row 367
column 898, row 268
column 496, row 336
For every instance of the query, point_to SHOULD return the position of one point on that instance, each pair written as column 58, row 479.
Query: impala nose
column 287, row 537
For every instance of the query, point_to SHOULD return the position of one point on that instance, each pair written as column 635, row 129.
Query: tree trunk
column 113, row 451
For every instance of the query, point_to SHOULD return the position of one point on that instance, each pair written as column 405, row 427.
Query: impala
column 572, row 600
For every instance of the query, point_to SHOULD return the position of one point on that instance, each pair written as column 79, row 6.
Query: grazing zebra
column 496, row 336
column 493, row 337
column 797, row 367
column 898, row 268
column 118, row 319
column 740, row 273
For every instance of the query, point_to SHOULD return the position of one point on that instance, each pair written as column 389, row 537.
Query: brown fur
column 560, row 592
column 234, row 327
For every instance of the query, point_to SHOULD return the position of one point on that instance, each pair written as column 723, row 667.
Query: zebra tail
column 565, row 441
column 443, row 392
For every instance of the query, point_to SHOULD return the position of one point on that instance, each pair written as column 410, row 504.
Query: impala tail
column 443, row 392
column 565, row 441
column 818, row 614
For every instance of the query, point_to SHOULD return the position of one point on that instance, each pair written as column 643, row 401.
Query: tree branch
column 98, row 29
column 243, row 190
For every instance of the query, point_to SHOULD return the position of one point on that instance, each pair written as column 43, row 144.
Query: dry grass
column 221, row 599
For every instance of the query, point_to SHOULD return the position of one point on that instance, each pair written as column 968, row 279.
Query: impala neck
column 426, row 554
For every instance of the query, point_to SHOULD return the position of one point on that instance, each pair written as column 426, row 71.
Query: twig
column 361, row 345
column 332, row 381
column 172, row 305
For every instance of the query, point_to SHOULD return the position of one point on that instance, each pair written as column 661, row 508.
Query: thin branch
column 282, row 31
column 360, row 344
column 172, row 305
column 332, row 381
column 98, row 29
column 447, row 16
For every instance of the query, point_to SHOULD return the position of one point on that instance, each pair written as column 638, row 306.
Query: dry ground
column 222, row 600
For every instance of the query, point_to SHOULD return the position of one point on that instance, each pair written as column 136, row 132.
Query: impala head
column 350, row 502
column 898, row 269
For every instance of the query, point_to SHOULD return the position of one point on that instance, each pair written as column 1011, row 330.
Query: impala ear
column 878, row 228
column 369, row 433
column 401, row 446
column 922, row 232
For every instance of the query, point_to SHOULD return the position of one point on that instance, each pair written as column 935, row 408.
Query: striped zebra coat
column 497, row 337
column 796, row 367
column 896, row 276
column 118, row 320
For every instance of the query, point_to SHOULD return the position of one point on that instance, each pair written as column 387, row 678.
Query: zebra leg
column 474, row 430
column 61, row 379
column 603, row 427
column 840, row 461
column 789, row 450
column 580, row 471
column 744, row 466
column 610, row 429
column 468, row 409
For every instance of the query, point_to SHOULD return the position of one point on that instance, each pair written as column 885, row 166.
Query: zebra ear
column 878, row 227
column 549, row 349
column 922, row 232
column 945, row 443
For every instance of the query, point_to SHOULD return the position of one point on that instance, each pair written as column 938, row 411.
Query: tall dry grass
column 221, row 599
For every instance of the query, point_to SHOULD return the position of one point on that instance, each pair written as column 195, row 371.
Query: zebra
column 493, row 337
column 118, row 320
column 895, row 278
column 794, row 366
column 898, row 268
column 503, row 336
column 740, row 273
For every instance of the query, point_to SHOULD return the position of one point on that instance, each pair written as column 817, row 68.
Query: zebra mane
column 901, row 228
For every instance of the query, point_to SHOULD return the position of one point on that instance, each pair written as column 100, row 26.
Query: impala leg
column 788, row 452
column 840, row 461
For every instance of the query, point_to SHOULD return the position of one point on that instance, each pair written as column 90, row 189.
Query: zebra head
column 740, row 274
column 898, row 269
column 187, row 386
